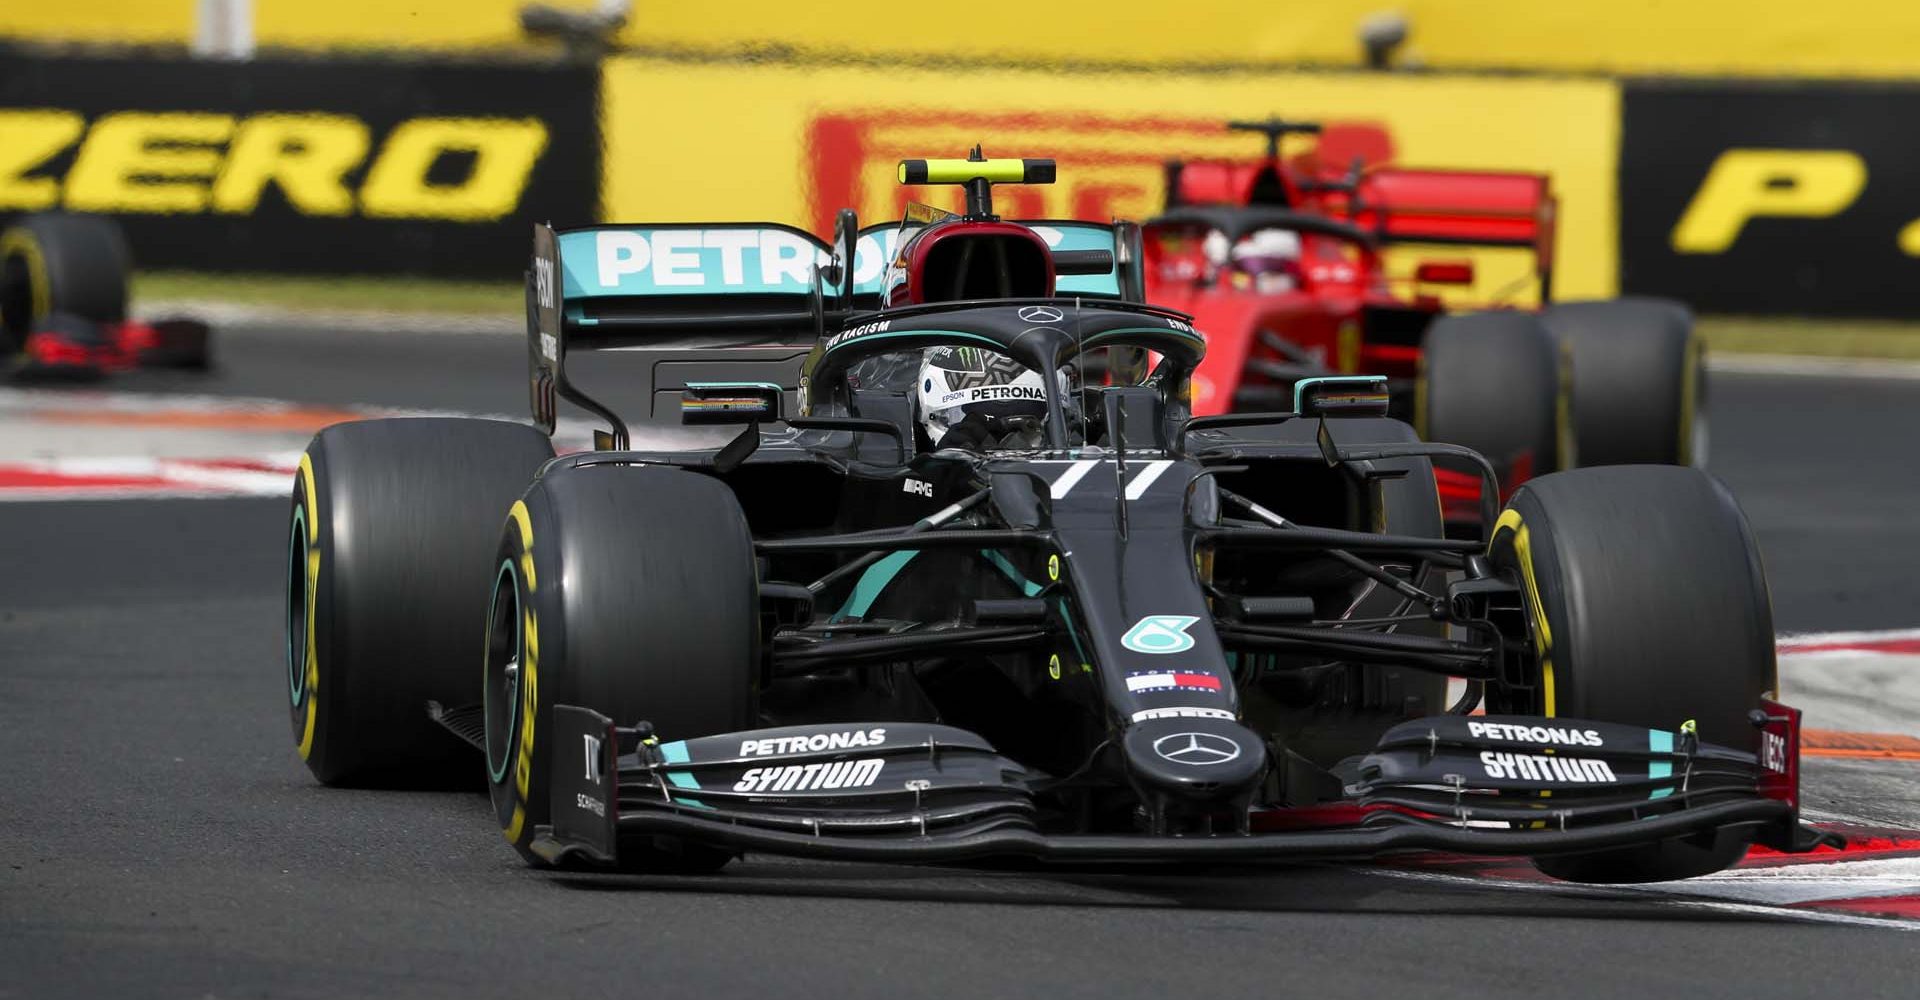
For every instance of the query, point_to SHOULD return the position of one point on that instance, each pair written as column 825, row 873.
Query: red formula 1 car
column 1281, row 262
column 63, row 305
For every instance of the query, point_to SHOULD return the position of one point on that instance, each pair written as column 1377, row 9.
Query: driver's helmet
column 961, row 382
column 1271, row 257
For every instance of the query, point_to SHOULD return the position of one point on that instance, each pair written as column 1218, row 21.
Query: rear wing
column 1456, row 207
column 743, row 289
column 719, row 287
column 879, row 245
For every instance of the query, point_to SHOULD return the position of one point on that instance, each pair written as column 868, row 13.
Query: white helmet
column 959, row 382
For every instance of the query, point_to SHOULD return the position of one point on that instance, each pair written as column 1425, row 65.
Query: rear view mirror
column 1444, row 272
column 1341, row 396
column 707, row 403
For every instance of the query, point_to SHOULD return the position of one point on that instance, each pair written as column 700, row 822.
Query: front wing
column 909, row 792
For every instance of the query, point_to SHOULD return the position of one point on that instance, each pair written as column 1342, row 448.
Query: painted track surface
column 161, row 838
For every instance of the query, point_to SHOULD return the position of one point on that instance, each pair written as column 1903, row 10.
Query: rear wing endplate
column 705, row 287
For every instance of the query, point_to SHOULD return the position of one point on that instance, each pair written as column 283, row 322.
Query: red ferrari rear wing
column 1458, row 207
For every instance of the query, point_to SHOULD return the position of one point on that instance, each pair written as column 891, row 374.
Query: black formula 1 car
column 1077, row 624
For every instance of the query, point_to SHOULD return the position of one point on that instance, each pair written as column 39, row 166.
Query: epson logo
column 816, row 743
column 811, row 777
column 1545, row 767
column 543, row 281
column 989, row 393
column 1534, row 734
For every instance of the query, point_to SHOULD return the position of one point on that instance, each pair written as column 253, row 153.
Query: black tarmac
column 160, row 837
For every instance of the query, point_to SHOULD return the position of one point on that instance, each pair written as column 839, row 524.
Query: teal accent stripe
column 676, row 753
column 1156, row 330
column 872, row 582
column 920, row 334
column 1660, row 741
column 1004, row 565
column 1073, row 633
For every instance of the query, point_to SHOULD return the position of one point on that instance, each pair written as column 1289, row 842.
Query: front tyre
column 1647, row 605
column 630, row 590
column 394, row 524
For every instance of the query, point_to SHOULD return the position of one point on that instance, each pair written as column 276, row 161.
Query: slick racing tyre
column 75, row 265
column 630, row 590
column 1647, row 605
column 1639, row 387
column 1494, row 382
column 394, row 525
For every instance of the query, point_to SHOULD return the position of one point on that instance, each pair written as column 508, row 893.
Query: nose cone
column 1194, row 759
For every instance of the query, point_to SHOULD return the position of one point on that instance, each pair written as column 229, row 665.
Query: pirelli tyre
column 629, row 590
column 74, row 265
column 1639, row 385
column 391, row 543
column 1647, row 605
column 1497, row 383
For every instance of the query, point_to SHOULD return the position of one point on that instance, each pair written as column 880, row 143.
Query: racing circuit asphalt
column 159, row 837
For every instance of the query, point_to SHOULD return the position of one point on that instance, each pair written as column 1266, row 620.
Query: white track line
column 1793, row 364
column 1662, row 893
column 1790, row 641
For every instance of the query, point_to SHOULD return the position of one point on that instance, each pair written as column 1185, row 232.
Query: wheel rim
column 299, row 600
column 500, row 688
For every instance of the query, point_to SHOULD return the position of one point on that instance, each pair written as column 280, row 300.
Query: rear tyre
column 1494, row 382
column 1638, row 380
column 629, row 590
column 392, row 541
column 58, row 263
column 1648, row 606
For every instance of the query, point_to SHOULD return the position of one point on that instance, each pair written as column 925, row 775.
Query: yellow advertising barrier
column 726, row 141
column 1696, row 37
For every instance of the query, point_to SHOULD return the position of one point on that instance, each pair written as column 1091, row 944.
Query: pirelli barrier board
column 1799, row 198
column 309, row 166
column 799, row 142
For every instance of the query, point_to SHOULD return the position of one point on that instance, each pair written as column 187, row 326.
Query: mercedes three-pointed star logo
column 1041, row 314
column 1196, row 749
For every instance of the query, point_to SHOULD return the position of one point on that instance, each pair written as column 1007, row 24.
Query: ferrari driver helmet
column 984, row 389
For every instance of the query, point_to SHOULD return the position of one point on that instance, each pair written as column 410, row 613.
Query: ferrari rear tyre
column 1648, row 606
column 1495, row 382
column 629, row 590
column 394, row 525
column 1638, row 382
column 75, row 265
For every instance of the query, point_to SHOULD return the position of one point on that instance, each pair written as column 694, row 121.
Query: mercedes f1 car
column 960, row 576
column 1282, row 261
column 63, row 305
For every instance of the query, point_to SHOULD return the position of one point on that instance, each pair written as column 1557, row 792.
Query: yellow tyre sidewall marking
column 1510, row 522
column 1689, row 390
column 1565, row 439
column 22, row 242
column 529, row 677
column 312, row 660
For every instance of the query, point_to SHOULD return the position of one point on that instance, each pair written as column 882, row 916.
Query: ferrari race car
column 63, row 304
column 1280, row 260
column 934, row 594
